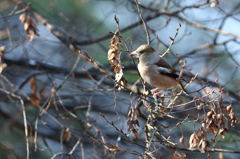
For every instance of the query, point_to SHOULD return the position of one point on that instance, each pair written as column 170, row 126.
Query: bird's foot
column 157, row 93
column 154, row 90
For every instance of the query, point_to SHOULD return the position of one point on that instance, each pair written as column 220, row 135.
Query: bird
column 156, row 71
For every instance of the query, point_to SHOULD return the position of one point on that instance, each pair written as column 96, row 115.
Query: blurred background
column 62, row 93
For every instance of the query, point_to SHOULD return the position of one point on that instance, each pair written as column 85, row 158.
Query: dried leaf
column 113, row 62
column 229, row 109
column 67, row 134
column 22, row 17
column 214, row 3
column 209, row 156
column 111, row 54
column 114, row 59
column 35, row 96
column 33, row 82
column 165, row 126
column 220, row 155
column 137, row 123
column 34, row 99
column 135, row 133
column 179, row 155
column 182, row 141
column 113, row 150
column 202, row 99
column 117, row 69
column 203, row 144
column 2, row 64
column 222, row 132
column 30, row 25
column 193, row 140
column 2, row 67
column 200, row 106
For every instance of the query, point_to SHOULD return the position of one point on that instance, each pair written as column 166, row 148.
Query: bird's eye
column 141, row 52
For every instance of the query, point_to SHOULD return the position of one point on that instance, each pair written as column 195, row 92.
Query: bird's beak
column 134, row 54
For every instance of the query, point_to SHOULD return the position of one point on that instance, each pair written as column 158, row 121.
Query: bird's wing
column 165, row 68
column 167, row 72
column 171, row 73
column 164, row 64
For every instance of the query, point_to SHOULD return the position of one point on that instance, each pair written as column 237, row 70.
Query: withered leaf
column 33, row 82
column 67, row 135
column 222, row 132
column 203, row 144
column 111, row 54
column 2, row 66
column 34, row 99
column 117, row 69
column 193, row 140
column 171, row 38
column 22, row 17
column 179, row 155
column 182, row 141
column 229, row 109
column 135, row 133
column 113, row 150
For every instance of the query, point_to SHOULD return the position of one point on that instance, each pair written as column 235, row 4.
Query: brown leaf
column 171, row 38
column 117, row 69
column 114, row 62
column 135, row 133
column 214, row 3
column 179, row 155
column 130, row 112
column 33, row 82
column 229, row 109
column 203, row 144
column 34, row 99
column 220, row 155
column 222, row 132
column 233, row 119
column 113, row 150
column 182, row 141
column 200, row 106
column 22, row 17
column 67, row 134
column 111, row 54
column 165, row 126
column 193, row 140
column 137, row 123
column 35, row 96
column 209, row 156
column 123, row 81
column 30, row 25
column 2, row 66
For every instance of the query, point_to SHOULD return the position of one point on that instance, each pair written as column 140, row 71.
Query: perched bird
column 155, row 70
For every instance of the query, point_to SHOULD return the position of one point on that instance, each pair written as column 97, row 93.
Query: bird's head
column 142, row 50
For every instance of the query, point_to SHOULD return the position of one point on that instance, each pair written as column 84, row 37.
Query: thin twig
column 172, row 41
column 24, row 117
column 35, row 135
column 70, row 73
column 144, row 24
column 74, row 147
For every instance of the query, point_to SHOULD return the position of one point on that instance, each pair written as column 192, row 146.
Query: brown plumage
column 155, row 70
